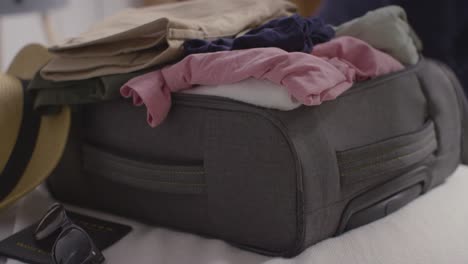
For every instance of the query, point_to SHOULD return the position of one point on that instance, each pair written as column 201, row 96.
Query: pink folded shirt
column 330, row 70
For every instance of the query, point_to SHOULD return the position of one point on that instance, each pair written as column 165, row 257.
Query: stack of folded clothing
column 254, row 51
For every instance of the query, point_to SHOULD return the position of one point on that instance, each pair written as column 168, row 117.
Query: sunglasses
column 73, row 245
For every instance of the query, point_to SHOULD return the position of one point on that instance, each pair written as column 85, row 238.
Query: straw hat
column 30, row 145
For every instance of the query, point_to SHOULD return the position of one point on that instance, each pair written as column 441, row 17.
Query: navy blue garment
column 441, row 25
column 293, row 33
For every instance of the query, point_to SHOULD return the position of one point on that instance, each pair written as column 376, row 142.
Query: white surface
column 431, row 230
column 252, row 91
column 22, row 6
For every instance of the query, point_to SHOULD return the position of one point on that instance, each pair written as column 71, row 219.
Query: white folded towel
column 251, row 91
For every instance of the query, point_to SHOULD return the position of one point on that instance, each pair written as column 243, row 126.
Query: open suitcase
column 269, row 181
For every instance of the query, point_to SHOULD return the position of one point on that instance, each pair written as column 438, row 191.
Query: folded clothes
column 261, row 93
column 386, row 29
column 293, row 33
column 138, row 38
column 365, row 62
column 50, row 94
column 309, row 79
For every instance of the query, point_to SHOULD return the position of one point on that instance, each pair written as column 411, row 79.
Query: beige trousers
column 142, row 37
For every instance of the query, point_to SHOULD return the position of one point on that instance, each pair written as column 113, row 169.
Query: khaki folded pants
column 142, row 37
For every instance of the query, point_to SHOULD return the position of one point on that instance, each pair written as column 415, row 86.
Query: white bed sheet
column 431, row 230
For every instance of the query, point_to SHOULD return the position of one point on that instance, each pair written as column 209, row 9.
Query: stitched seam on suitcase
column 400, row 162
column 349, row 156
column 217, row 103
column 139, row 175
column 380, row 156
column 430, row 146
column 361, row 164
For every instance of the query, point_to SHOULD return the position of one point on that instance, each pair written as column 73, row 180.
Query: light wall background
column 20, row 29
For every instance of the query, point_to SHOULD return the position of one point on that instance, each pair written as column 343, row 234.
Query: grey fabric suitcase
column 269, row 181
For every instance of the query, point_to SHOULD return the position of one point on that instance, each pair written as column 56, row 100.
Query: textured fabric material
column 50, row 94
column 445, row 41
column 92, row 90
column 138, row 38
column 252, row 91
column 367, row 162
column 386, row 29
column 364, row 61
column 463, row 103
column 99, row 89
column 419, row 233
column 293, row 33
column 309, row 79
column 283, row 162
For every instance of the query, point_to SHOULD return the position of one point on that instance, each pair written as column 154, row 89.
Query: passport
column 23, row 247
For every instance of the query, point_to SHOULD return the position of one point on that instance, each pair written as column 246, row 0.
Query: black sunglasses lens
column 50, row 223
column 74, row 247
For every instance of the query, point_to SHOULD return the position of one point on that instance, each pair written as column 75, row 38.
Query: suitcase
column 269, row 181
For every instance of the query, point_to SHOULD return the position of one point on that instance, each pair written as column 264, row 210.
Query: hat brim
column 28, row 61
column 50, row 144
column 53, row 130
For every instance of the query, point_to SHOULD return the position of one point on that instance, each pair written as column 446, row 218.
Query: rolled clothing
column 142, row 37
column 293, row 33
column 309, row 79
column 386, row 29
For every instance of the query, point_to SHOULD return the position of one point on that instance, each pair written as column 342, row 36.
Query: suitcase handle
column 176, row 179
column 387, row 156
